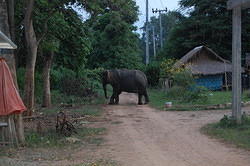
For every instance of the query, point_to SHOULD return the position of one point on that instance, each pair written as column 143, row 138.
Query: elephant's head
column 109, row 77
column 105, row 81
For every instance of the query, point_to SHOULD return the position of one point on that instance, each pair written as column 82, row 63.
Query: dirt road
column 142, row 136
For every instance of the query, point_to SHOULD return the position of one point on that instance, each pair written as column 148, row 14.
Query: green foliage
column 229, row 122
column 114, row 42
column 197, row 94
column 152, row 72
column 38, row 83
column 169, row 21
column 207, row 22
column 167, row 68
column 83, row 84
column 53, row 139
column 227, row 130
column 99, row 163
column 50, row 139
column 183, row 79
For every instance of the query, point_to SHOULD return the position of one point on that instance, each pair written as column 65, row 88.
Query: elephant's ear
column 109, row 75
column 113, row 76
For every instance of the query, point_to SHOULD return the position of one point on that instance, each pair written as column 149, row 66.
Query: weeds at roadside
column 228, row 130
column 101, row 162
column 53, row 139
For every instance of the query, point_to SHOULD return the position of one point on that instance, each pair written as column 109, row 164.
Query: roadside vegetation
column 228, row 131
column 159, row 97
column 99, row 163
column 51, row 139
column 185, row 94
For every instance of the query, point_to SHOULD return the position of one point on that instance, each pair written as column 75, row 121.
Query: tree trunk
column 32, row 45
column 46, row 80
column 4, row 27
column 7, row 26
column 11, row 16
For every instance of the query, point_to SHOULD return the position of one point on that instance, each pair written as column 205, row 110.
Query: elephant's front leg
column 117, row 97
column 112, row 99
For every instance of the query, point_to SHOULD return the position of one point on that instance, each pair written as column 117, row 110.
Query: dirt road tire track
column 147, row 137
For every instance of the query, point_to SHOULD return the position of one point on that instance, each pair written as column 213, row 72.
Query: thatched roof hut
column 204, row 61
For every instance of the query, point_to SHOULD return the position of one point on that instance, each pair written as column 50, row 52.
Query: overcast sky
column 159, row 4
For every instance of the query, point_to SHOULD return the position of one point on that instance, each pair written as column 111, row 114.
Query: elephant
column 124, row 80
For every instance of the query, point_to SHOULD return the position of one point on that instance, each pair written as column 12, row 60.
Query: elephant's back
column 132, row 80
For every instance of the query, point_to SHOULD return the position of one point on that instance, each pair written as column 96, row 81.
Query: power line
column 160, row 11
column 161, row 3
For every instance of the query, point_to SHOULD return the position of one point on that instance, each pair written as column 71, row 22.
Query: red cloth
column 10, row 100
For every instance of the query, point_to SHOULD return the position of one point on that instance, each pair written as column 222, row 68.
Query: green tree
column 207, row 23
column 35, row 26
column 169, row 21
column 115, row 44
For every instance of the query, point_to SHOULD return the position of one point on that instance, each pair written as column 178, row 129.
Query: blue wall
column 212, row 82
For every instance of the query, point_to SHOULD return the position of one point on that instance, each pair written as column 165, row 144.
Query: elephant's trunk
column 105, row 90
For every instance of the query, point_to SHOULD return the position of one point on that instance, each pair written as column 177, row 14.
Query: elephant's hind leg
column 112, row 99
column 146, row 97
column 139, row 99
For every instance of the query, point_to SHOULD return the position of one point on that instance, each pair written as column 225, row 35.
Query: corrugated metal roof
column 5, row 42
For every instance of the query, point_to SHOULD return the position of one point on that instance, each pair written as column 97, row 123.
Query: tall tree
column 32, row 45
column 5, row 28
column 207, row 22
column 48, row 9
column 169, row 21
column 114, row 41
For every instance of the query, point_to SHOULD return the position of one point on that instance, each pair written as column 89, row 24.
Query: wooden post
column 236, row 59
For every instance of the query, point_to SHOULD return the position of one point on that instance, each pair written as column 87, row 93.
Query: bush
column 229, row 122
column 83, row 84
column 185, row 90
column 152, row 72
column 184, row 79
column 196, row 94
column 38, row 84
column 176, row 93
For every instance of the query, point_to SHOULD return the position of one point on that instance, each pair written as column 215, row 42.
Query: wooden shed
column 211, row 70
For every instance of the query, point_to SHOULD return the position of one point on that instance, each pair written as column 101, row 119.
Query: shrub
column 176, row 93
column 153, row 74
column 83, row 83
column 229, row 122
column 196, row 94
column 167, row 69
column 184, row 79
column 185, row 90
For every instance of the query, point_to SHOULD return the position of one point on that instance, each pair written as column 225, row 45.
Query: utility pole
column 147, row 46
column 153, row 28
column 160, row 11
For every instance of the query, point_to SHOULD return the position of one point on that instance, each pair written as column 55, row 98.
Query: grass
column 58, row 97
column 99, row 163
column 53, row 139
column 238, row 135
column 90, row 110
column 159, row 97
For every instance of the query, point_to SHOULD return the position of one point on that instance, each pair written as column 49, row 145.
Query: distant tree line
column 199, row 22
